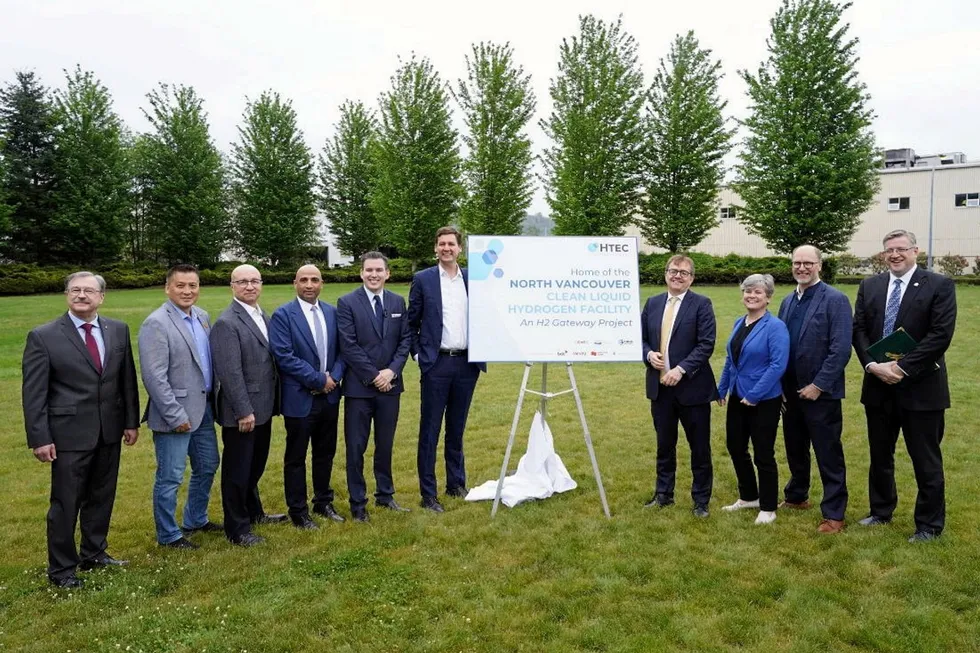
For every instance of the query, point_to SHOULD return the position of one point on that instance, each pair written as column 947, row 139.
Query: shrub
column 849, row 264
column 952, row 265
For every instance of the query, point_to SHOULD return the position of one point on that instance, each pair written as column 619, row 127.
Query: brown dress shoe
column 830, row 526
column 792, row 505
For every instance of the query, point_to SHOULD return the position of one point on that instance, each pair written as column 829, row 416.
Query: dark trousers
column 819, row 423
column 358, row 415
column 447, row 389
column 318, row 430
column 242, row 464
column 756, row 424
column 923, row 432
column 83, row 489
column 696, row 421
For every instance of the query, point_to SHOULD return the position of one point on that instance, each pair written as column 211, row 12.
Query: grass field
column 549, row 576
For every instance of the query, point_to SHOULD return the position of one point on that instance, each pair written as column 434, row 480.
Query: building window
column 963, row 200
column 898, row 204
column 727, row 212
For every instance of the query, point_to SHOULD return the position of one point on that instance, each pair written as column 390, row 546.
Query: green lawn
column 550, row 576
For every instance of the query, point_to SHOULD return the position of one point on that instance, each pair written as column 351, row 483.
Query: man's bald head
column 246, row 284
column 308, row 283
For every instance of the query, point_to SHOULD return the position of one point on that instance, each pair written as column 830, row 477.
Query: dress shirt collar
column 78, row 322
column 799, row 294
column 906, row 278
column 679, row 297
column 182, row 312
column 445, row 275
column 305, row 305
column 371, row 295
column 251, row 310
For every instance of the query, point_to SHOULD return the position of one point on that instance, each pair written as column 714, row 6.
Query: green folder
column 893, row 347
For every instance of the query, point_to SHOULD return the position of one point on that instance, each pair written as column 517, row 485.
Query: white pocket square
column 394, row 315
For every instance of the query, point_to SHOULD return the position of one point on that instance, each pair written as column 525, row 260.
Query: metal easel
column 545, row 397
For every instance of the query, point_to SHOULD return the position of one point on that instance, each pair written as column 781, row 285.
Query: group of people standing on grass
column 792, row 365
column 81, row 400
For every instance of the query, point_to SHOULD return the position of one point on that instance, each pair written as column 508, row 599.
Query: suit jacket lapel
column 437, row 293
column 74, row 338
column 916, row 283
column 756, row 330
column 657, row 318
column 296, row 311
column 815, row 302
column 106, row 340
column 369, row 306
column 249, row 322
column 681, row 310
column 177, row 317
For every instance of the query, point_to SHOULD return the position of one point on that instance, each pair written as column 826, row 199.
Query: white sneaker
column 740, row 505
column 766, row 517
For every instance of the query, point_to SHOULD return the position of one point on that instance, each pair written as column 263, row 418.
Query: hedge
column 728, row 270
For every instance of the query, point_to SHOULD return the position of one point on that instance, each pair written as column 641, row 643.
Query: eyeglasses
column 241, row 283
column 674, row 272
column 898, row 250
column 88, row 292
column 804, row 264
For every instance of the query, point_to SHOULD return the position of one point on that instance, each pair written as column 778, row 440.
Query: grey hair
column 899, row 233
column 83, row 273
column 764, row 280
column 816, row 251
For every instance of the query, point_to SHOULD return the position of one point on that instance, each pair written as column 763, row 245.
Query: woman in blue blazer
column 758, row 351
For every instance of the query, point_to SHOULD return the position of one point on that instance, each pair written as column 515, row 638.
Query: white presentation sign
column 553, row 299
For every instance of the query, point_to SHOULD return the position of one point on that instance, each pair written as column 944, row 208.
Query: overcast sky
column 920, row 60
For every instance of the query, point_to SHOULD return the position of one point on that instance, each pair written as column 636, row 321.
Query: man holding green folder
column 905, row 386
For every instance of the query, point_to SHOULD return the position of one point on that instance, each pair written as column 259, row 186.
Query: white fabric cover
column 540, row 472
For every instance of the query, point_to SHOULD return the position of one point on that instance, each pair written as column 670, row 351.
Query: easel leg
column 510, row 441
column 588, row 440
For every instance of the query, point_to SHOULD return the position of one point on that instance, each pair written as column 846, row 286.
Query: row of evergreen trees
column 77, row 188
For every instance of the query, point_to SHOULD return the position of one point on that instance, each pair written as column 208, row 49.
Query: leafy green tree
column 138, row 243
column 272, row 187
column 497, row 102
column 808, row 166
column 593, row 169
column 346, row 171
column 27, row 148
column 416, row 188
column 686, row 143
column 92, row 196
column 186, row 214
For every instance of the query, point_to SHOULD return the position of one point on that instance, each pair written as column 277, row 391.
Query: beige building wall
column 956, row 230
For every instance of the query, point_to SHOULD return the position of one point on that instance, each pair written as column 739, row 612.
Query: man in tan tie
column 678, row 329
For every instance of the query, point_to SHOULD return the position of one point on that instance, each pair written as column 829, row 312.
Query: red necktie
column 93, row 348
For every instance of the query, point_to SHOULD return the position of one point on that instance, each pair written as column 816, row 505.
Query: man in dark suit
column 374, row 341
column 175, row 363
column 80, row 400
column 678, row 329
column 437, row 314
column 911, row 394
column 818, row 319
column 303, row 336
column 247, row 399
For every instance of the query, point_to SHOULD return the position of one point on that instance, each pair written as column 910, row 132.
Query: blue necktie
column 891, row 308
column 379, row 314
column 321, row 340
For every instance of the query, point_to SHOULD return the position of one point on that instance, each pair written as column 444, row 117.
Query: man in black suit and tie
column 246, row 401
column 80, row 401
column 911, row 394
column 678, row 329
column 818, row 319
column 374, row 342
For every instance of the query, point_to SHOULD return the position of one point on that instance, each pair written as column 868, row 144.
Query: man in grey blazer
column 175, row 363
column 80, row 400
column 246, row 401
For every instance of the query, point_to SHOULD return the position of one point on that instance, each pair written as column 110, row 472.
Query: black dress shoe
column 458, row 492
column 182, row 543
column 431, row 503
column 304, row 523
column 208, row 527
column 270, row 519
column 923, row 536
column 391, row 504
column 101, row 560
column 247, row 540
column 360, row 514
column 659, row 501
column 327, row 510
column 700, row 511
column 69, row 582
column 874, row 520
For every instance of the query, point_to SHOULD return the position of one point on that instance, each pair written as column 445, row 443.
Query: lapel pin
column 916, row 284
